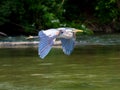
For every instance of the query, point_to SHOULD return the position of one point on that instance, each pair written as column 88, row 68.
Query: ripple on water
column 36, row 74
column 10, row 86
column 46, row 64
column 6, row 65
column 114, row 58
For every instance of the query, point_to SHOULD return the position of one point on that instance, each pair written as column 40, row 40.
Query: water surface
column 89, row 67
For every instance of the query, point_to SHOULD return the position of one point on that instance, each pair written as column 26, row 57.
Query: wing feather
column 45, row 44
column 67, row 45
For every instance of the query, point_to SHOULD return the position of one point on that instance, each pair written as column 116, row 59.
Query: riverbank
column 23, row 44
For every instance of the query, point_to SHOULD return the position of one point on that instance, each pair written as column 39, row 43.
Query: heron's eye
column 61, row 32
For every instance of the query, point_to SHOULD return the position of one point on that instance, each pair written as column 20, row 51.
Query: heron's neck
column 66, row 35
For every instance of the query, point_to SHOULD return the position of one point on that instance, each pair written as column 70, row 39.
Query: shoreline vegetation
column 28, row 17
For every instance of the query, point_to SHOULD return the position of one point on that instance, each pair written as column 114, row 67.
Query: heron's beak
column 77, row 30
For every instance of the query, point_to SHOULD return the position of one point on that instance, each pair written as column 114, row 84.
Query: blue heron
column 47, row 38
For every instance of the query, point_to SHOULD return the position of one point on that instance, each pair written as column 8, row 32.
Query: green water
column 87, row 68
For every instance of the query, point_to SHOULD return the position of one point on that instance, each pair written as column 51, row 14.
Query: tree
column 107, row 10
column 33, row 15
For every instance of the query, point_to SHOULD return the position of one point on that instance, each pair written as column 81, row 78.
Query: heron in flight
column 47, row 38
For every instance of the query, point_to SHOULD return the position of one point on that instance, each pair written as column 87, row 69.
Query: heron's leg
column 32, row 37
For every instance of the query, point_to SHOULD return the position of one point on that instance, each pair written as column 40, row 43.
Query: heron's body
column 47, row 38
column 60, row 33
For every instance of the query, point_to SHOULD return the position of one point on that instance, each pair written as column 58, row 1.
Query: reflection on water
column 88, row 68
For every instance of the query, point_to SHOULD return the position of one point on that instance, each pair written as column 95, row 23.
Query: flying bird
column 48, row 37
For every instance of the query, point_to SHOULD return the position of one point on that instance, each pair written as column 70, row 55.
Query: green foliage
column 107, row 10
column 11, row 10
column 86, row 30
column 51, row 19
column 82, row 27
column 44, row 14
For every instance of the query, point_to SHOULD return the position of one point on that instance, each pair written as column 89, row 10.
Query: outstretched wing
column 46, row 42
column 67, row 45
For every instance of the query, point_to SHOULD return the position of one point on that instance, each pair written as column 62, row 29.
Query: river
column 93, row 65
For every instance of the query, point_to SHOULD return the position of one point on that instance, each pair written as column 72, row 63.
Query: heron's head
column 70, row 30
